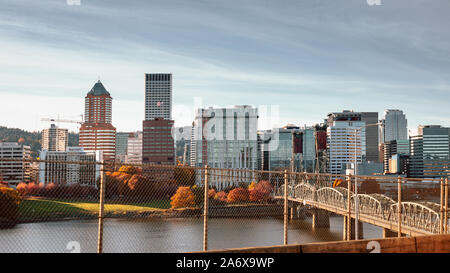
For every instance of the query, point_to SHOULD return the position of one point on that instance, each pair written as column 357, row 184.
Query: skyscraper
column 157, row 141
column 97, row 133
column 371, row 132
column 393, row 126
column 54, row 139
column 393, row 133
column 226, row 138
column 158, row 96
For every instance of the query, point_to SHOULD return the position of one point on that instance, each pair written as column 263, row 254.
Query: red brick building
column 97, row 132
column 158, row 144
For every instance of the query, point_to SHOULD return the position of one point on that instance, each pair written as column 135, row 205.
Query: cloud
column 307, row 57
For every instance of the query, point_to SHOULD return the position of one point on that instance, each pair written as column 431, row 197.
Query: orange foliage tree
column 183, row 198
column 211, row 193
column 238, row 195
column 261, row 191
column 221, row 196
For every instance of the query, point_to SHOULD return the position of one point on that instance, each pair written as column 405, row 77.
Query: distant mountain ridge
column 33, row 139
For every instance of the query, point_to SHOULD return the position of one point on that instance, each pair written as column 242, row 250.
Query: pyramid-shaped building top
column 98, row 90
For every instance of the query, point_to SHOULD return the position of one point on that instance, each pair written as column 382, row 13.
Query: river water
column 167, row 235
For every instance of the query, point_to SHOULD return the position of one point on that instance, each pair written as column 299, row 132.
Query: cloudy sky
column 306, row 57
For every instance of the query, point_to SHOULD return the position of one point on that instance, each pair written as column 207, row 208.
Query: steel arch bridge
column 417, row 218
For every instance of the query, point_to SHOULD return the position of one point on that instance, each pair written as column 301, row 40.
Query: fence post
column 101, row 208
column 441, row 210
column 446, row 206
column 205, row 212
column 399, row 206
column 285, row 222
column 349, row 207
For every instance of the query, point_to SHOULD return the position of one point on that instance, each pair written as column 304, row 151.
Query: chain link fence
column 84, row 206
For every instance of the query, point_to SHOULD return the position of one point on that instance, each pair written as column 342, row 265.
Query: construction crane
column 63, row 120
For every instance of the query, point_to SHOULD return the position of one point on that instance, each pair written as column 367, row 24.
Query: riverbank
column 46, row 210
column 40, row 210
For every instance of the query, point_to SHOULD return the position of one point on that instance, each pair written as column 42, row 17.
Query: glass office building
column 430, row 151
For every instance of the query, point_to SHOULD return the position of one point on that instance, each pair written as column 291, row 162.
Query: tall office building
column 14, row 172
column 371, row 132
column 157, row 140
column 97, row 132
column 430, row 152
column 345, row 144
column 158, row 96
column 55, row 139
column 393, row 126
column 393, row 132
column 226, row 137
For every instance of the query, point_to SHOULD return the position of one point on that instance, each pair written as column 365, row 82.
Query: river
column 167, row 235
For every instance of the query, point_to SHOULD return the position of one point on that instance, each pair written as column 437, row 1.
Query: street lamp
column 356, row 178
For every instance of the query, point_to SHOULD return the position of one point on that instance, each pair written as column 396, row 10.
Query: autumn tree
column 221, row 196
column 238, row 195
column 183, row 198
column 261, row 191
column 199, row 193
column 211, row 193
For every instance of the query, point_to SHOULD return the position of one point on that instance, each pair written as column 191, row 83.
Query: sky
column 305, row 58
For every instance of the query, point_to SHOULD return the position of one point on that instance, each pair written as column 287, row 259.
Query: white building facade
column 56, row 167
column 134, row 148
column 346, row 141
column 14, row 172
column 225, row 138
column 55, row 139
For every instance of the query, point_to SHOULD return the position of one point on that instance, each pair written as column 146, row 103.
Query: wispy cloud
column 308, row 57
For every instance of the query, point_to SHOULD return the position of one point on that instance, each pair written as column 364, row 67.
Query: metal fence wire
column 84, row 206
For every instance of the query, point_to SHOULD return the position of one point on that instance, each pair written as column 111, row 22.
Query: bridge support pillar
column 301, row 212
column 295, row 211
column 352, row 232
column 387, row 233
column 320, row 219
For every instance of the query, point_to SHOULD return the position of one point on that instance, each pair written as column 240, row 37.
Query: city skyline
column 360, row 57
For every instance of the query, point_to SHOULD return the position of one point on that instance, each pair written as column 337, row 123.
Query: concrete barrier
column 419, row 244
